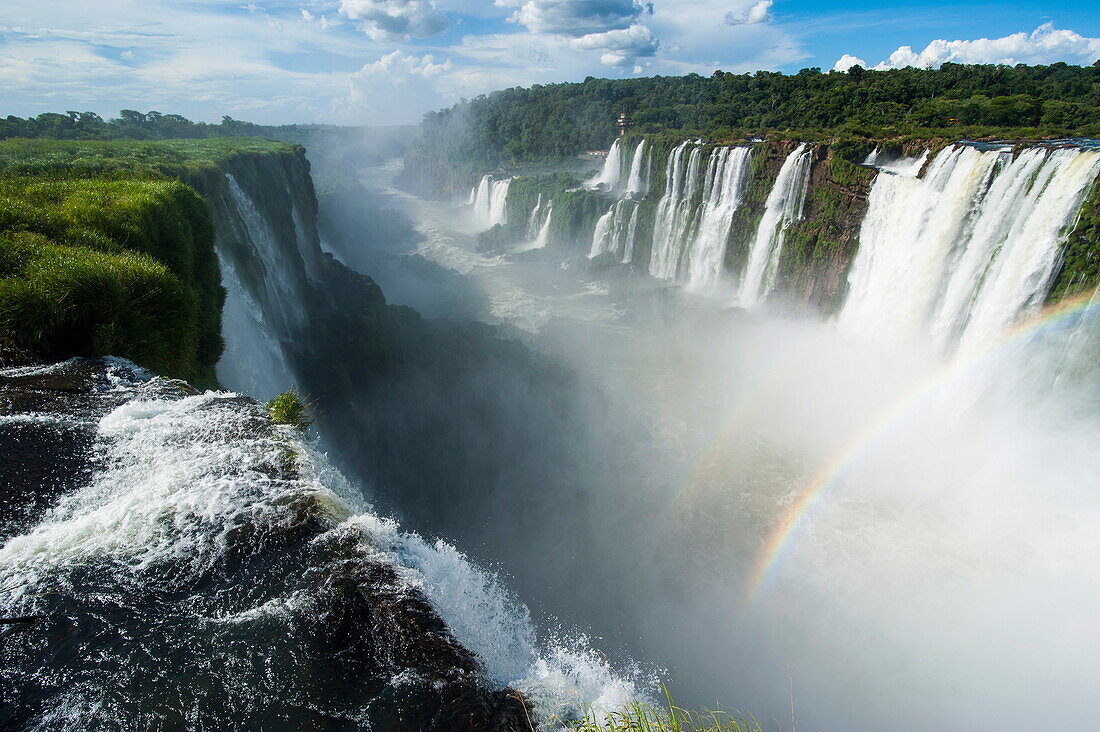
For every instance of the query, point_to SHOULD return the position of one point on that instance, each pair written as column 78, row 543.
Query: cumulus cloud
column 395, row 20
column 1044, row 45
column 758, row 12
column 576, row 18
column 621, row 47
column 847, row 61
column 405, row 81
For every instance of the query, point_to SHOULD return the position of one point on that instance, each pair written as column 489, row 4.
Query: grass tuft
column 290, row 408
column 643, row 717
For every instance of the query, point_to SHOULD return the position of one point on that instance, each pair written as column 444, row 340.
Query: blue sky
column 388, row 61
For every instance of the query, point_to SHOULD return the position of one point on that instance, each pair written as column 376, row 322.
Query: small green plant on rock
column 292, row 409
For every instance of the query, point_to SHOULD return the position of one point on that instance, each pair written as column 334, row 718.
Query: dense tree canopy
column 135, row 125
column 519, row 125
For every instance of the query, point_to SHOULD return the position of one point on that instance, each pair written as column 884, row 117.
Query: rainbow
column 827, row 476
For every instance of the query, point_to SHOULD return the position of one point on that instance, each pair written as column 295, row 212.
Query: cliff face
column 1080, row 268
column 819, row 248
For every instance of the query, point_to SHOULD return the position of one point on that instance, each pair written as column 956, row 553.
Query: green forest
column 134, row 125
column 956, row 101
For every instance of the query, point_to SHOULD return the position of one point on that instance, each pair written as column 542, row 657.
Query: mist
column 625, row 469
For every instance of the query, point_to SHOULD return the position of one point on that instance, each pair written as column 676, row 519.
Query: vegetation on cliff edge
column 103, row 251
column 956, row 101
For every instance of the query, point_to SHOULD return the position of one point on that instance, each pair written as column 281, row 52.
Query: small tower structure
column 623, row 123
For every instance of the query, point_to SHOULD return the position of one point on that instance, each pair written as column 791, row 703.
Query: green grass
column 290, row 408
column 642, row 717
column 96, row 266
column 174, row 158
column 107, row 248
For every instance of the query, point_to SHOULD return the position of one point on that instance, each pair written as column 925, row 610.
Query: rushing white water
column 966, row 250
column 180, row 477
column 614, row 231
column 638, row 183
column 783, row 207
column 674, row 224
column 631, row 236
column 692, row 225
column 260, row 305
column 727, row 176
column 534, row 220
column 538, row 226
column 490, row 200
column 543, row 237
column 609, row 176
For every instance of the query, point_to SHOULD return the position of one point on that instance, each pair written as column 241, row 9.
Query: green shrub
column 290, row 408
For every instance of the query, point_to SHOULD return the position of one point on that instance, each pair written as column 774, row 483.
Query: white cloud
column 696, row 39
column 1045, row 45
column 575, row 17
column 847, row 61
column 758, row 12
column 395, row 89
column 622, row 47
column 206, row 58
column 395, row 20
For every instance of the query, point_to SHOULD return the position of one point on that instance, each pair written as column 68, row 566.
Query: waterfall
column 638, row 182
column 538, row 226
column 727, row 175
column 490, row 200
column 601, row 234
column 784, row 206
column 614, row 232
column 673, row 224
column 264, row 280
column 689, row 235
column 631, row 236
column 1021, row 273
column 612, row 170
column 963, row 252
column 543, row 237
column 533, row 220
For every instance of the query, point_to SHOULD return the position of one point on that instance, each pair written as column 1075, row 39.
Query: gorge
column 768, row 419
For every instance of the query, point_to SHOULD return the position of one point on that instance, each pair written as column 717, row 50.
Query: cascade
column 614, row 232
column 673, row 224
column 631, row 236
column 783, row 207
column 538, row 226
column 264, row 279
column 611, row 172
column 963, row 252
column 727, row 175
column 533, row 220
column 692, row 225
column 638, row 182
column 490, row 199
column 543, row 237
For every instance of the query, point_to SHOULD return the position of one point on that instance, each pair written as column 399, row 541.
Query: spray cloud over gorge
column 887, row 500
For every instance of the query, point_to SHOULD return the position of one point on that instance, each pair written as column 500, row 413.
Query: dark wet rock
column 295, row 624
